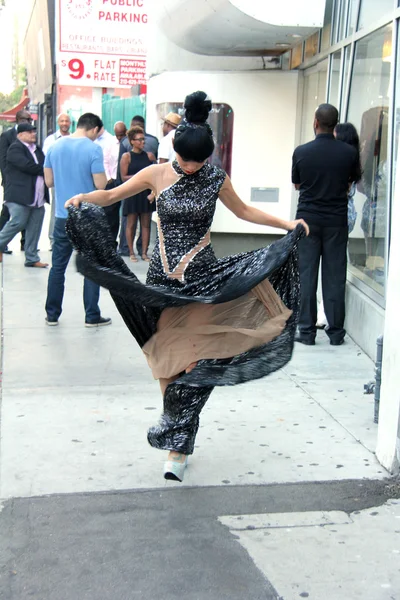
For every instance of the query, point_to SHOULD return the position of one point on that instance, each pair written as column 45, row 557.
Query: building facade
column 79, row 55
column 354, row 65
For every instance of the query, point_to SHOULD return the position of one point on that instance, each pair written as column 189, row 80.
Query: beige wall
column 264, row 105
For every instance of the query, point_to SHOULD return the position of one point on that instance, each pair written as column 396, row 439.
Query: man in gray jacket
column 6, row 139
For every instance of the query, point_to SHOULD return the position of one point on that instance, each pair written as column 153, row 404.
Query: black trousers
column 112, row 213
column 4, row 217
column 327, row 245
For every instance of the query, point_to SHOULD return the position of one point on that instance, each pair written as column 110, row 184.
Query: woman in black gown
column 201, row 321
column 138, row 205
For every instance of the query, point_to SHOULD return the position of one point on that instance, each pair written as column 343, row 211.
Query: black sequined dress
column 240, row 311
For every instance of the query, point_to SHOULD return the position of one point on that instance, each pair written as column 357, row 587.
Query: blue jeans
column 62, row 250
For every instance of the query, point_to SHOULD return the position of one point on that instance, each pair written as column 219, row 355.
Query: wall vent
column 262, row 194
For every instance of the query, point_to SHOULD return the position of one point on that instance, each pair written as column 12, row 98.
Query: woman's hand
column 151, row 197
column 293, row 224
column 74, row 201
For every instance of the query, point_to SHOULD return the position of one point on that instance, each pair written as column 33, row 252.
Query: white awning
column 238, row 27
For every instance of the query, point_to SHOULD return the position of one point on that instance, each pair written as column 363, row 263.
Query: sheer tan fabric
column 179, row 271
column 200, row 331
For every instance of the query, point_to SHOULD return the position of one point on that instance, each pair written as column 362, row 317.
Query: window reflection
column 311, row 46
column 368, row 111
column 333, row 97
column 353, row 14
column 396, row 140
column 343, row 19
column 347, row 57
column 327, row 28
column 373, row 10
column 221, row 122
column 314, row 93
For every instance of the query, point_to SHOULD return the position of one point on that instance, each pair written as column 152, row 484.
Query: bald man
column 64, row 126
column 120, row 130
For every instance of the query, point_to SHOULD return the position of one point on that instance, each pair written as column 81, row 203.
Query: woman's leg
column 145, row 229
column 131, row 221
column 164, row 383
column 179, row 422
column 173, row 455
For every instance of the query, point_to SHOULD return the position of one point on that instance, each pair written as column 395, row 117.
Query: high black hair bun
column 197, row 106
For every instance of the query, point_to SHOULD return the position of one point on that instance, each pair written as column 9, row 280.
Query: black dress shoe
column 304, row 340
column 337, row 342
column 7, row 251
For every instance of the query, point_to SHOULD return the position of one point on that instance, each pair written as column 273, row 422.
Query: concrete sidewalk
column 87, row 513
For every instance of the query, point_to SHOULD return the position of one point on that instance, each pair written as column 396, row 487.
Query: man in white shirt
column 111, row 152
column 166, row 151
column 111, row 147
column 104, row 139
column 64, row 126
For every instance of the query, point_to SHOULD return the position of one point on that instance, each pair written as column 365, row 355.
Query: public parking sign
column 102, row 43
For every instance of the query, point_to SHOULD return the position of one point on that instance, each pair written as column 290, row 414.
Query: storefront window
column 221, row 122
column 335, row 21
column 343, row 19
column 368, row 111
column 314, row 93
column 396, row 140
column 353, row 14
column 346, row 70
column 327, row 28
column 333, row 97
column 373, row 10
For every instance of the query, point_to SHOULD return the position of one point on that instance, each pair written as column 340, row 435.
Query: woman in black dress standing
column 131, row 163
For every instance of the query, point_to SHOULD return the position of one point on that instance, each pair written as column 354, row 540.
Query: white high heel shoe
column 174, row 469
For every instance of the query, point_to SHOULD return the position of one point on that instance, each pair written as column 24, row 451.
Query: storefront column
column 97, row 99
column 388, row 447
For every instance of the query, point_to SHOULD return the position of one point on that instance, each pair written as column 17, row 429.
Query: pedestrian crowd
column 70, row 163
column 324, row 171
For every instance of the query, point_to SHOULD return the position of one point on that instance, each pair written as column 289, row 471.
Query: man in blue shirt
column 73, row 166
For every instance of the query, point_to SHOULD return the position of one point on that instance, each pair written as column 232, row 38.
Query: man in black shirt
column 322, row 171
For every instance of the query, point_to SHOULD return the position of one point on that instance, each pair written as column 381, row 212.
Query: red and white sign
column 102, row 43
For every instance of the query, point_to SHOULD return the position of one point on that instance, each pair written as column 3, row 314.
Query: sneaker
column 100, row 323
column 51, row 322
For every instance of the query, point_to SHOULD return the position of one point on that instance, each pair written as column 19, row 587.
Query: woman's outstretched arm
column 140, row 182
column 243, row 211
